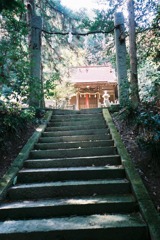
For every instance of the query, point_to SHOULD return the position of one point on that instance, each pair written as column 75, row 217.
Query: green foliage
column 58, row 55
column 149, row 83
column 13, row 121
column 145, row 124
column 50, row 84
column 62, row 93
column 148, row 122
column 103, row 21
column 10, row 5
column 14, row 57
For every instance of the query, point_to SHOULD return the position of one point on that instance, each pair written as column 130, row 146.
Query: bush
column 149, row 132
column 145, row 123
column 13, row 121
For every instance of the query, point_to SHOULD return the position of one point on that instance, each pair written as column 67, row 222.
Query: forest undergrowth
column 140, row 132
column 16, row 127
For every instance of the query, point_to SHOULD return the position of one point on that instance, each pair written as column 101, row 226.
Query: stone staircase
column 73, row 186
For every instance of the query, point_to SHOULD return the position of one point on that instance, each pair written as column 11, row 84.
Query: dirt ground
column 14, row 146
column 146, row 167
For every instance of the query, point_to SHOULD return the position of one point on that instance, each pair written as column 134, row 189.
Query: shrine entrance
column 88, row 101
column 90, row 83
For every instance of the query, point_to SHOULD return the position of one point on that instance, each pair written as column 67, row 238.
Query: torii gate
column 123, row 85
column 36, row 97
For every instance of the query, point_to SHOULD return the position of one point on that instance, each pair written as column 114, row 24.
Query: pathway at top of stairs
column 73, row 186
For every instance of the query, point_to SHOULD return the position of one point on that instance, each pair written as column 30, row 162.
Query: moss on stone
column 8, row 178
column 146, row 206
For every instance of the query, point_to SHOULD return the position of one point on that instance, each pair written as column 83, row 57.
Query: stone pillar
column 36, row 86
column 123, row 85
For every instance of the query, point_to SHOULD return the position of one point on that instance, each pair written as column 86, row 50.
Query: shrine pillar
column 87, row 100
column 77, row 101
column 98, row 97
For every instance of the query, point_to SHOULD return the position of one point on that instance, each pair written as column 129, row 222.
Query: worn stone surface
column 79, row 192
column 69, row 206
column 73, row 162
column 69, row 188
column 76, row 138
column 81, row 144
column 63, row 174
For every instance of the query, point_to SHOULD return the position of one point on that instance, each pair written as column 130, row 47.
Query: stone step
column 95, row 227
column 76, row 123
column 76, row 132
column 78, row 119
column 68, row 189
column 76, row 112
column 72, row 186
column 68, row 207
column 73, row 162
column 66, row 174
column 65, row 112
column 66, row 153
column 91, row 111
column 77, row 116
column 75, row 138
column 78, row 127
column 65, row 145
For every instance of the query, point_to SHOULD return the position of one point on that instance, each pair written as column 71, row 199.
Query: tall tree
column 144, row 39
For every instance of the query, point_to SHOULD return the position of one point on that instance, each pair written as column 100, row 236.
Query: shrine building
column 91, row 82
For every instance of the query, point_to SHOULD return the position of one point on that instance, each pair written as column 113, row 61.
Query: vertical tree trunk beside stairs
column 36, row 85
column 133, row 55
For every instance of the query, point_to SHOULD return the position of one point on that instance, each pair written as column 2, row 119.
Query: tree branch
column 147, row 29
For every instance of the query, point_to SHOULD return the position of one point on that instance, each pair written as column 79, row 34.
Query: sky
column 77, row 4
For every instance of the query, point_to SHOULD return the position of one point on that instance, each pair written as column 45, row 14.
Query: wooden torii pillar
column 36, row 97
column 87, row 100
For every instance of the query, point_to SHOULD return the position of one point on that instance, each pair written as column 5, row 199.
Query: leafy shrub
column 145, row 122
column 148, row 122
column 39, row 113
column 13, row 121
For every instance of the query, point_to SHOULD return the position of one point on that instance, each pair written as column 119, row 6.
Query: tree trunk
column 133, row 56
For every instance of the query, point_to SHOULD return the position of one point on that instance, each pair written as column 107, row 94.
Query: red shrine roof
column 89, row 74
